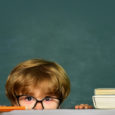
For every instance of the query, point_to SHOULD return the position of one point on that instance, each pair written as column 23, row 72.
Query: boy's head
column 38, row 80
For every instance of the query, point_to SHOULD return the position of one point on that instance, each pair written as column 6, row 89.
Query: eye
column 28, row 98
column 48, row 99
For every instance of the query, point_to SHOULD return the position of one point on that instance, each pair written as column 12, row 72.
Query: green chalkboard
column 78, row 34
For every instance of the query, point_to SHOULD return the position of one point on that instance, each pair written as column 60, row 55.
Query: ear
column 58, row 107
column 14, row 104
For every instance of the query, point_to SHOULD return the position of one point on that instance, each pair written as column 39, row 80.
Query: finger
column 76, row 106
column 81, row 106
column 90, row 107
column 86, row 106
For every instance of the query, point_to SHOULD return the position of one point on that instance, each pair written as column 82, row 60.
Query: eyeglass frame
column 38, row 101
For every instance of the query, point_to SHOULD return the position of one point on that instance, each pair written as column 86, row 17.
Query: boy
column 37, row 84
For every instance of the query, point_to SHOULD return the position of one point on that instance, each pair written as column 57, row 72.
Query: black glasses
column 30, row 102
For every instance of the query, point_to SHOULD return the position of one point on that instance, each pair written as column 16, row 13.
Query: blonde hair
column 48, row 76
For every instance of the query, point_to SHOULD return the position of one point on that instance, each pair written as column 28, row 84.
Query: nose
column 38, row 106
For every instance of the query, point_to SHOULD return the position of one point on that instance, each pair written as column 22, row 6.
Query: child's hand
column 83, row 106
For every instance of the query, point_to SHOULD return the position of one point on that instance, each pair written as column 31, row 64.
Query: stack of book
column 104, row 98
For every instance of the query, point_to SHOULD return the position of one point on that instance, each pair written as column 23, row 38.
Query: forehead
column 37, row 93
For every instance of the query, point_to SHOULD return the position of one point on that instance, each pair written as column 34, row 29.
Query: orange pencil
column 11, row 108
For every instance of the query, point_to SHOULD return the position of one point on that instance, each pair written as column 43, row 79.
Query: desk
column 61, row 112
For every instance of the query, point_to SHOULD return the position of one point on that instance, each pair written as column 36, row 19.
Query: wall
column 78, row 34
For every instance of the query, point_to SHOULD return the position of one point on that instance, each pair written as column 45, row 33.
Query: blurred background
column 77, row 34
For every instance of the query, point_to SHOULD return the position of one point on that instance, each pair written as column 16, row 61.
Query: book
column 104, row 101
column 104, row 91
column 10, row 108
